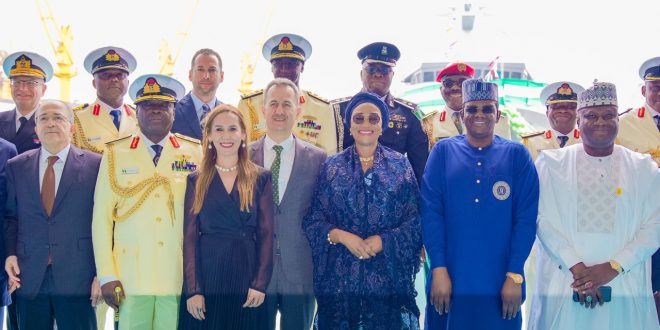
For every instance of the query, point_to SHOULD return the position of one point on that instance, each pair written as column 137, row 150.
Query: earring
column 211, row 145
column 243, row 144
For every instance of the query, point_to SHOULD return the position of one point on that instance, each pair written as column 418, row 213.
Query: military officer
column 404, row 133
column 447, row 122
column 138, row 210
column 639, row 129
column 108, row 117
column 317, row 123
column 561, row 109
column 28, row 74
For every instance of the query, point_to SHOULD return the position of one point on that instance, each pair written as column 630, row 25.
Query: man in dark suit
column 48, row 221
column 28, row 74
column 206, row 75
column 295, row 165
column 7, row 151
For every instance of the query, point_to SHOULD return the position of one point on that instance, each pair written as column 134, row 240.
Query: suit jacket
column 185, row 118
column 26, row 139
column 143, row 246
column 67, row 234
column 7, row 151
column 295, row 255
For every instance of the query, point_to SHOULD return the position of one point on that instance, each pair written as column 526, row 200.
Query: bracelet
column 330, row 241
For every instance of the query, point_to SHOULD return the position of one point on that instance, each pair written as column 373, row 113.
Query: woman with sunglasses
column 228, row 231
column 364, row 229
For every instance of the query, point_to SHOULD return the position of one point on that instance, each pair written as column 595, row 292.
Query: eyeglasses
column 384, row 70
column 108, row 75
column 373, row 118
column 25, row 83
column 449, row 83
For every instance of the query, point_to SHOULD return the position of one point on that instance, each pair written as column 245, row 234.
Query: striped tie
column 275, row 170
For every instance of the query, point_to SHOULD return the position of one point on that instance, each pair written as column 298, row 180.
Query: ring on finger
column 589, row 299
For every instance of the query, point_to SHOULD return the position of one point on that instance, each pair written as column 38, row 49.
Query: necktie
column 657, row 121
column 275, row 170
column 562, row 140
column 157, row 148
column 116, row 114
column 205, row 111
column 48, row 186
column 22, row 122
column 456, row 117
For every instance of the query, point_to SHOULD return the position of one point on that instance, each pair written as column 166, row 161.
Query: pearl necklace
column 226, row 170
column 366, row 159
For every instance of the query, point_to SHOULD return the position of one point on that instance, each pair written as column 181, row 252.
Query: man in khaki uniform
column 318, row 124
column 138, row 211
column 447, row 122
column 639, row 129
column 108, row 117
column 561, row 109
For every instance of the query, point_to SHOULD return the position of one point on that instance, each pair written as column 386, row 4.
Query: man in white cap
column 317, row 124
column 561, row 109
column 108, row 117
column 138, row 210
column 28, row 74
column 598, row 226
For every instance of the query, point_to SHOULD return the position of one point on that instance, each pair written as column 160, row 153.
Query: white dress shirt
column 286, row 162
column 148, row 143
column 58, row 167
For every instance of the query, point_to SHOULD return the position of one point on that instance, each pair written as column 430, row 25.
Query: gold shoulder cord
column 80, row 140
column 427, row 127
column 340, row 128
column 148, row 185
column 255, row 133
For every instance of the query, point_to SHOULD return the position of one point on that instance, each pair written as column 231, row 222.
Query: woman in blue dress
column 364, row 230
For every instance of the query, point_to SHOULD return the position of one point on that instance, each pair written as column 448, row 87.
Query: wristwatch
column 616, row 266
column 517, row 278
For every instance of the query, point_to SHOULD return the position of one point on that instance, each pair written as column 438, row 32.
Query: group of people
column 184, row 212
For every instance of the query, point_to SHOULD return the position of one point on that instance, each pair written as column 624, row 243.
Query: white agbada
column 630, row 237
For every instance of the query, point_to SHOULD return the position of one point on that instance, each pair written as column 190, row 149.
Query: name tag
column 94, row 139
column 259, row 126
column 130, row 170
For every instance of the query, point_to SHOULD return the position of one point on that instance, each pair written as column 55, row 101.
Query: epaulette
column 187, row 138
column 407, row 104
column 251, row 94
column 80, row 107
column 342, row 100
column 318, row 97
column 430, row 114
column 529, row 135
column 120, row 139
column 621, row 114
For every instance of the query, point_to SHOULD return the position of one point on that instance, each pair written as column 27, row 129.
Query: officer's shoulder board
column 81, row 107
column 411, row 106
column 430, row 114
column 318, row 97
column 187, row 138
column 532, row 134
column 252, row 94
column 625, row 112
column 341, row 100
column 118, row 140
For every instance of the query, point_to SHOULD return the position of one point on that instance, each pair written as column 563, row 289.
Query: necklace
column 225, row 169
column 366, row 159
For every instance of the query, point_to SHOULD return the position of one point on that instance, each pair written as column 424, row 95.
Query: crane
column 249, row 59
column 167, row 61
column 62, row 45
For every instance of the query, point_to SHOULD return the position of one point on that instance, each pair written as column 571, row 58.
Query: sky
column 558, row 40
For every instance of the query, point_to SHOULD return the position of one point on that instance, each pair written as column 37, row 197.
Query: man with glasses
column 479, row 202
column 447, row 122
column 404, row 133
column 317, row 123
column 206, row 75
column 108, row 117
column 28, row 74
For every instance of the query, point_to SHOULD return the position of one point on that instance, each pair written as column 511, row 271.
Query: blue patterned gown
column 377, row 293
column 479, row 208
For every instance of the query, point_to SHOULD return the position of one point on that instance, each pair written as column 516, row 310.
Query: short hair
column 55, row 103
column 206, row 51
column 283, row 82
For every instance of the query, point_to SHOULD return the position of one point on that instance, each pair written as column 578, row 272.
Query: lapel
column 8, row 124
column 28, row 135
column 70, row 174
column 257, row 151
column 32, row 166
column 190, row 114
column 299, row 166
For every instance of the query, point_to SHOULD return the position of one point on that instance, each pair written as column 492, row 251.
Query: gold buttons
column 160, row 243
column 158, row 219
column 157, row 195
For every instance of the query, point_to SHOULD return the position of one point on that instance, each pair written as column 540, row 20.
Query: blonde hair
column 247, row 171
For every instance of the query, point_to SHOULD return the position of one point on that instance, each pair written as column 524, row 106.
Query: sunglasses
column 373, row 119
column 384, row 70
column 486, row 109
column 449, row 83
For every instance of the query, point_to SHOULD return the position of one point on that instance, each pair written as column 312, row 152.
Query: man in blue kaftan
column 479, row 206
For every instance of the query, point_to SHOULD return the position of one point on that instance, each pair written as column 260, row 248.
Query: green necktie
column 275, row 170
